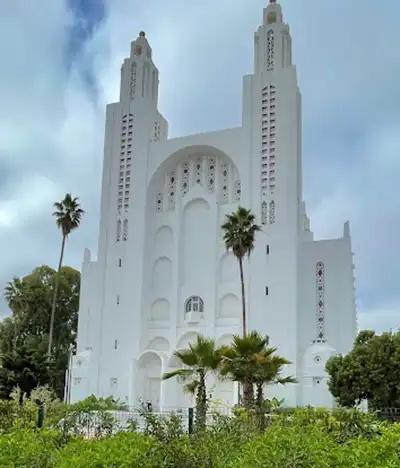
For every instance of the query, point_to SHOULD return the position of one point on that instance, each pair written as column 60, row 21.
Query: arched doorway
column 149, row 378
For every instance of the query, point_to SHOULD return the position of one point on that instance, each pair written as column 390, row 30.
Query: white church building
column 162, row 274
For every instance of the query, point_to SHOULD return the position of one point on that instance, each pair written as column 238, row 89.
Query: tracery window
column 198, row 171
column 264, row 212
column 272, row 212
column 185, row 179
column 159, row 202
column 119, row 230
column 171, row 190
column 132, row 83
column 211, row 174
column 224, row 179
column 270, row 50
column 125, row 230
column 320, row 300
column 237, row 190
column 194, row 304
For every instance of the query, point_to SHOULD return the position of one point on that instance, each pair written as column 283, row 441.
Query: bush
column 302, row 438
column 29, row 448
column 124, row 450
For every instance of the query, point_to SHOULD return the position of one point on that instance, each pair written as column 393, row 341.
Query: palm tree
column 239, row 232
column 268, row 369
column 68, row 216
column 239, row 362
column 200, row 359
column 15, row 295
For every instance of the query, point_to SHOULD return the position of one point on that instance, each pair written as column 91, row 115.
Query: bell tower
column 273, row 43
column 139, row 75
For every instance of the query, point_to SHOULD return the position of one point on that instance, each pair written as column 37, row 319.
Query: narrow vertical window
column 266, row 290
column 320, row 300
column 120, row 262
column 115, row 344
column 267, row 250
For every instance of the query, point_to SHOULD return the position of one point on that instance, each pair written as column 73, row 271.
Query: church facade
column 162, row 274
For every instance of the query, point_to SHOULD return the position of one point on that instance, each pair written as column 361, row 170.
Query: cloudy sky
column 60, row 64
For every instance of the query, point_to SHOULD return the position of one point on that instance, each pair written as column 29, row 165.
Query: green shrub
column 124, row 450
column 29, row 448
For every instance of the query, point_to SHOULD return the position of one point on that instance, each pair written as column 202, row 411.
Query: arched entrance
column 149, row 378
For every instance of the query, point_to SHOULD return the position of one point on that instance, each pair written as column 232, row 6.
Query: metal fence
column 95, row 423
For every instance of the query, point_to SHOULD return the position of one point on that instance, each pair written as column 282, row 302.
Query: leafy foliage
column 304, row 438
column 371, row 371
column 24, row 336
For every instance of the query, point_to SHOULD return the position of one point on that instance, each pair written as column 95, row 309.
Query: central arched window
column 194, row 304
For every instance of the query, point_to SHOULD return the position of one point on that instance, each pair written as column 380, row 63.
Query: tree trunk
column 248, row 395
column 53, row 306
column 243, row 296
column 260, row 396
column 260, row 407
column 201, row 403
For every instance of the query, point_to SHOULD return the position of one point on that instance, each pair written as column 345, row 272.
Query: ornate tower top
column 273, row 13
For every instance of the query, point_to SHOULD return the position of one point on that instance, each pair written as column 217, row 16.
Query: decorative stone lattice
column 320, row 300
column 224, row 181
column 159, row 202
column 119, row 229
column 156, row 135
column 171, row 191
column 198, row 171
column 125, row 230
column 132, row 84
column 185, row 179
column 211, row 174
column 272, row 212
column 267, row 157
column 264, row 212
column 237, row 191
column 270, row 50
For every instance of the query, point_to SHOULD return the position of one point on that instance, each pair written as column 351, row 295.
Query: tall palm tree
column 200, row 359
column 239, row 231
column 68, row 216
column 239, row 362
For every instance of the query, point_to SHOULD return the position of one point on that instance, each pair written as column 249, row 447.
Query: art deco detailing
column 132, row 82
column 223, row 182
column 268, row 148
column 171, row 190
column 211, row 174
column 125, row 230
column 156, row 132
column 320, row 301
column 217, row 177
column 270, row 50
column 159, row 202
column 185, row 179
column 125, row 164
column 268, row 212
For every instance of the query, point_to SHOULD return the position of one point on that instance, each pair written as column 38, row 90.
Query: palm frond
column 180, row 373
